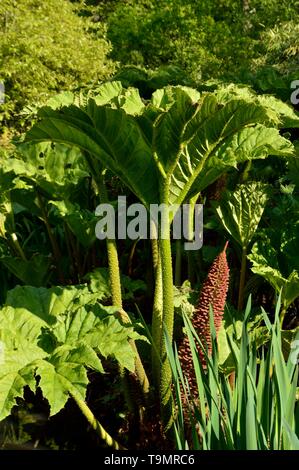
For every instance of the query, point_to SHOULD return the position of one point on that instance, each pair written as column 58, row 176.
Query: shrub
column 44, row 48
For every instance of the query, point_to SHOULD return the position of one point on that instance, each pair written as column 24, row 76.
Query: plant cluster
column 139, row 343
column 171, row 148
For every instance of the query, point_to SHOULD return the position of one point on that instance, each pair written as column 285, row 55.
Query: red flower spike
column 213, row 293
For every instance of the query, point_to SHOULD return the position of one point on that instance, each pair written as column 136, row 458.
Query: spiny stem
column 155, row 249
column 123, row 316
column 113, row 267
column 242, row 279
column 157, row 324
column 168, row 318
column 168, row 313
column 114, row 272
column 95, row 424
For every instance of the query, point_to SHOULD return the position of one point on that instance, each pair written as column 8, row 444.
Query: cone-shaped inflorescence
column 213, row 294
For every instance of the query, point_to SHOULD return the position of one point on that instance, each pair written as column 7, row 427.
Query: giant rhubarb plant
column 213, row 295
column 166, row 151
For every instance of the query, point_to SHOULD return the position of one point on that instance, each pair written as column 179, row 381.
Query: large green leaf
column 99, row 329
column 265, row 263
column 110, row 338
column 240, row 212
column 170, row 125
column 288, row 117
column 111, row 136
column 278, row 111
column 62, row 99
column 19, row 332
column 179, row 138
column 77, row 323
column 196, row 141
column 107, row 92
column 131, row 102
column 50, row 303
column 55, row 168
column 64, row 371
column 221, row 137
column 110, row 93
column 55, row 337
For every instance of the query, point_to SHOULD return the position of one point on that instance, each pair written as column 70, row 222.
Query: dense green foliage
column 46, row 47
column 259, row 46
column 208, row 39
column 176, row 146
column 165, row 102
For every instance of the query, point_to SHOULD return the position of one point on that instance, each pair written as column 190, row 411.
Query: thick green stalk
column 168, row 315
column 123, row 316
column 113, row 264
column 155, row 249
column 242, row 279
column 157, row 324
column 114, row 276
column 168, row 318
column 94, row 423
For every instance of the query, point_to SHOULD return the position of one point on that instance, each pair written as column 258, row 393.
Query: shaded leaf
column 240, row 212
